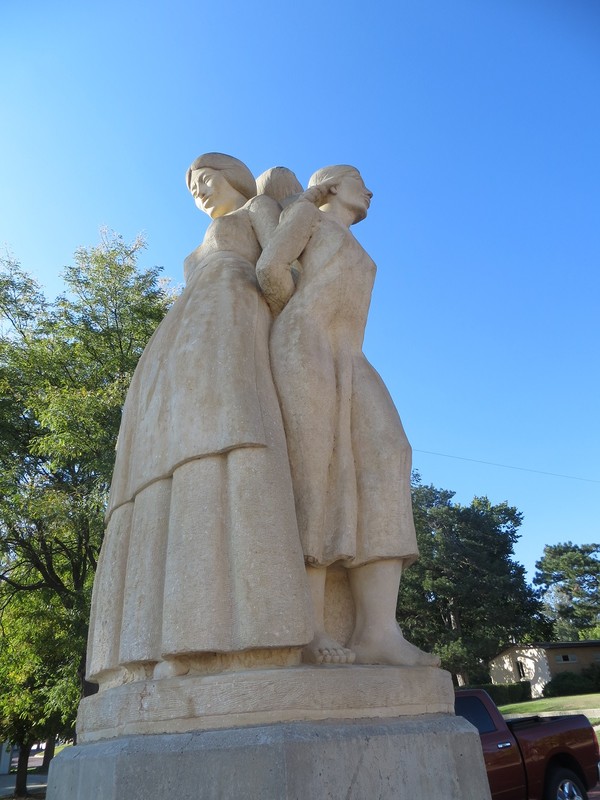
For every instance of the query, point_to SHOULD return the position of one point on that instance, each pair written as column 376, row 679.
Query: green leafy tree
column 569, row 576
column 64, row 371
column 466, row 597
column 39, row 660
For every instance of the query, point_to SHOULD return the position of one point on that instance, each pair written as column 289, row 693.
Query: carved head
column 280, row 184
column 348, row 189
column 219, row 183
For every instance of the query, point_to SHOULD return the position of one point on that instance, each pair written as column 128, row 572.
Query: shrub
column 504, row 693
column 593, row 674
column 566, row 683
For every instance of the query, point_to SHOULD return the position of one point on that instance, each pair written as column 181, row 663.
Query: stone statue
column 201, row 567
column 280, row 184
column 349, row 455
column 258, row 524
column 259, row 452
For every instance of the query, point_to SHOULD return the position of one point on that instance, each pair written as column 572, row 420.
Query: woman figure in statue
column 201, row 567
column 349, row 455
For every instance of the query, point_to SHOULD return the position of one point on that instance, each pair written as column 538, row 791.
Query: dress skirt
column 203, row 554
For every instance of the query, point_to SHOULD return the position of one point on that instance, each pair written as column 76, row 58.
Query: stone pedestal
column 262, row 696
column 433, row 757
column 283, row 734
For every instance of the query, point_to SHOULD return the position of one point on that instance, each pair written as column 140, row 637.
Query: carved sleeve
column 284, row 247
column 264, row 216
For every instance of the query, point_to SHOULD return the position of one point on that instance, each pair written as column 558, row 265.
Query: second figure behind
column 349, row 456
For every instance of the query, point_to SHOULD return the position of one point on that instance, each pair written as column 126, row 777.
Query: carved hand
column 318, row 194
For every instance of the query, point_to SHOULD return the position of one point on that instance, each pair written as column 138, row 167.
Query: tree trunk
column 21, row 782
column 48, row 753
column 455, row 622
column 462, row 678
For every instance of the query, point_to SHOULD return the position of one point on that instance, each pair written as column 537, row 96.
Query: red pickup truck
column 535, row 758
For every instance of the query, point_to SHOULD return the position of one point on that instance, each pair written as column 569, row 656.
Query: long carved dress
column 201, row 552
column 349, row 455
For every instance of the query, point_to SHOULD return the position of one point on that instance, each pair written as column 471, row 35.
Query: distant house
column 541, row 661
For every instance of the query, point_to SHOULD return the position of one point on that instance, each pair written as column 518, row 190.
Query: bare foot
column 171, row 668
column 325, row 650
column 392, row 649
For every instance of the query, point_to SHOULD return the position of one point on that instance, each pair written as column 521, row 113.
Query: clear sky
column 476, row 123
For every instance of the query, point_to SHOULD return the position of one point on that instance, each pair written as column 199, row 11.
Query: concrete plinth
column 428, row 757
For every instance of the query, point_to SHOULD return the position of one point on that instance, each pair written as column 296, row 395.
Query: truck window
column 473, row 710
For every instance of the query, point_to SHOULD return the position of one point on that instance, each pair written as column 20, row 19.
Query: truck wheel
column 562, row 784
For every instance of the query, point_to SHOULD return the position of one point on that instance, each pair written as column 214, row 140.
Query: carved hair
column 279, row 183
column 234, row 171
column 327, row 173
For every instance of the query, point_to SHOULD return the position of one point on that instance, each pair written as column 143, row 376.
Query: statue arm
column 284, row 247
column 264, row 216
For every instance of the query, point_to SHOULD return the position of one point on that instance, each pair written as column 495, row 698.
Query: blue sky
column 476, row 123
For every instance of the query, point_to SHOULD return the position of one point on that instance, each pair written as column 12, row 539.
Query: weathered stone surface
column 435, row 757
column 259, row 696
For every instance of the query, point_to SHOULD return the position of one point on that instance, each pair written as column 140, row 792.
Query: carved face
column 353, row 194
column 213, row 194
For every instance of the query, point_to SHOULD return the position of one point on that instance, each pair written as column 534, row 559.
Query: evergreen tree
column 569, row 576
column 466, row 598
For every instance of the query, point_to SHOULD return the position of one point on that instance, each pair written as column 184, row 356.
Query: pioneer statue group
column 260, row 454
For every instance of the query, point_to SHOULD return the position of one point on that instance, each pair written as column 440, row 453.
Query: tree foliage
column 39, row 664
column 64, row 370
column 466, row 597
column 569, row 576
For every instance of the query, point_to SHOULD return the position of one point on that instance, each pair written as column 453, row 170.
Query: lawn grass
column 558, row 705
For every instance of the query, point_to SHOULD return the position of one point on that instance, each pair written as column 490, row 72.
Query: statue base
column 429, row 757
column 297, row 732
column 262, row 696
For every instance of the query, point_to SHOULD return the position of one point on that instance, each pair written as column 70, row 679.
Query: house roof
column 550, row 646
column 563, row 645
